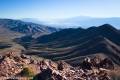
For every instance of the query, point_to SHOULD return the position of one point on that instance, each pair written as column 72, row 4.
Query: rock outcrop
column 86, row 72
column 12, row 66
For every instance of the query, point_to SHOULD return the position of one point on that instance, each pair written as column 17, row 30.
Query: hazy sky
column 53, row 9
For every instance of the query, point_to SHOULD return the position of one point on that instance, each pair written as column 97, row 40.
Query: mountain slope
column 11, row 29
column 73, row 44
column 74, row 54
column 72, row 37
column 25, row 27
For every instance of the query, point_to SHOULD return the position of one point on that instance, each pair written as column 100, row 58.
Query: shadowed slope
column 73, row 44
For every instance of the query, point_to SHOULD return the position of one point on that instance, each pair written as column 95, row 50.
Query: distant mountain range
column 80, row 21
column 71, row 44
column 33, row 20
column 25, row 27
column 85, row 22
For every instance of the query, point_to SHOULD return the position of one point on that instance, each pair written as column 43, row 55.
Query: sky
column 58, row 9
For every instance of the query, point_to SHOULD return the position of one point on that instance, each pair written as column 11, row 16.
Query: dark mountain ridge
column 73, row 44
column 75, row 36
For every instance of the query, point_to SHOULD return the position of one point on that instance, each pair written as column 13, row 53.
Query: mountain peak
column 107, row 26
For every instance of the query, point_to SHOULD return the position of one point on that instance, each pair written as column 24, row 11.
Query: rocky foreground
column 24, row 67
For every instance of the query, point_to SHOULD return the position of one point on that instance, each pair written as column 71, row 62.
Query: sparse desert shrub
column 27, row 72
